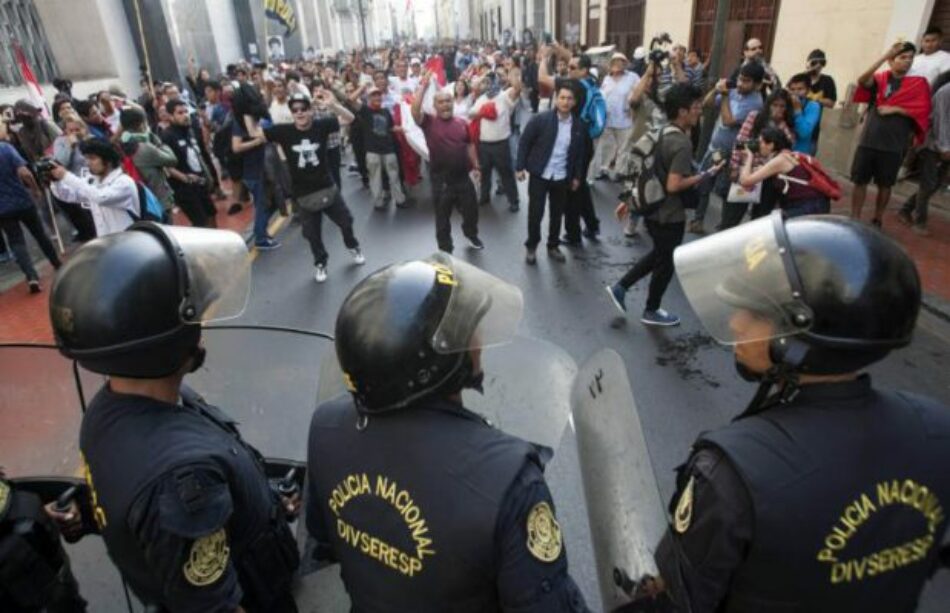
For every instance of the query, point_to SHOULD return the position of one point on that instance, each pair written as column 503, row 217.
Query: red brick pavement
column 24, row 317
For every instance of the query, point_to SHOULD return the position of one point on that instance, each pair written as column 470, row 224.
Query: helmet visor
column 482, row 311
column 737, row 284
column 219, row 273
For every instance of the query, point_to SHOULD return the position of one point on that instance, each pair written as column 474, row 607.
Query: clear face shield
column 742, row 283
column 483, row 311
column 218, row 269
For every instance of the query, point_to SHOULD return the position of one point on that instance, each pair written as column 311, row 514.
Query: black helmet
column 405, row 331
column 838, row 295
column 130, row 304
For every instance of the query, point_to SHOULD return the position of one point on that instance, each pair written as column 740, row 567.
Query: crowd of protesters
column 476, row 119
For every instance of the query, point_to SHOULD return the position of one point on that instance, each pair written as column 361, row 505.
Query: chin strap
column 787, row 355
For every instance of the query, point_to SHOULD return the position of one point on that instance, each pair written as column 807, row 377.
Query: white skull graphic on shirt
column 307, row 153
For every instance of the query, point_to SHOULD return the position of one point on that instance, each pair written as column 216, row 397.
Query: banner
column 283, row 12
column 29, row 80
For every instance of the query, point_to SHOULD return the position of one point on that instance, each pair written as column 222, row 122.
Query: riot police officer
column 825, row 494
column 424, row 504
column 35, row 574
column 181, row 500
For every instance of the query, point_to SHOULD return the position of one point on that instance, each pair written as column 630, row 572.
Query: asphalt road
column 683, row 382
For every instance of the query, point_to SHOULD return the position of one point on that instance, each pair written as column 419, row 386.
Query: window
column 747, row 19
column 20, row 22
column 625, row 24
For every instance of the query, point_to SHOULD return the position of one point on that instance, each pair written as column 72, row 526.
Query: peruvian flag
column 29, row 79
column 436, row 66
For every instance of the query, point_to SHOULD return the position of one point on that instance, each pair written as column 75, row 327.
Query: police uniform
column 432, row 509
column 34, row 569
column 833, row 501
column 184, row 506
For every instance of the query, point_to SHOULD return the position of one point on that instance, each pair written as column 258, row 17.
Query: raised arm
column 867, row 77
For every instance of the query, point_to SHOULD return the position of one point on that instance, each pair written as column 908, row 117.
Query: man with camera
column 754, row 53
column 735, row 99
column 190, row 178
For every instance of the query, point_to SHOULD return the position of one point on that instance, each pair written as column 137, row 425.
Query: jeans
column 261, row 211
column 538, row 191
column 933, row 171
column 29, row 217
column 335, row 161
column 659, row 262
column 312, row 225
column 497, row 156
column 447, row 194
column 377, row 163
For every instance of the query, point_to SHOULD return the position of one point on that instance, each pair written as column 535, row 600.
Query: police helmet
column 406, row 331
column 836, row 294
column 130, row 304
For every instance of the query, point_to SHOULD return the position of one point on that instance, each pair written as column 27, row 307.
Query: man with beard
column 189, row 179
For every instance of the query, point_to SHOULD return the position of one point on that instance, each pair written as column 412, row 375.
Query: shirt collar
column 568, row 121
column 844, row 390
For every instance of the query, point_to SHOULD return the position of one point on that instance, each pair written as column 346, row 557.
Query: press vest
column 850, row 490
column 410, row 503
column 129, row 443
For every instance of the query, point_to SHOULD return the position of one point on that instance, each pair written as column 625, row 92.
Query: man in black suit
column 552, row 150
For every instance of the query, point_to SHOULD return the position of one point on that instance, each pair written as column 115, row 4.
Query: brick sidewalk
column 24, row 317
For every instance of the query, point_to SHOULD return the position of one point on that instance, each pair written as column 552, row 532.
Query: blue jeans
column 261, row 214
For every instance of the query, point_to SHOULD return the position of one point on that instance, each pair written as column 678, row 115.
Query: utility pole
column 362, row 16
column 715, row 70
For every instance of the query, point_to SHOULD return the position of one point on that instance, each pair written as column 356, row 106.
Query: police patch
column 684, row 508
column 544, row 533
column 208, row 559
column 4, row 498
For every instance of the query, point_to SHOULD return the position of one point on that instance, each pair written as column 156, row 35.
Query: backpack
column 595, row 109
column 642, row 170
column 150, row 208
column 818, row 178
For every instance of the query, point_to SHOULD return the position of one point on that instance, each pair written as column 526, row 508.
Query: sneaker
column 235, row 208
column 475, row 243
column 905, row 218
column 320, row 273
column 920, row 230
column 617, row 295
column 555, row 254
column 358, row 257
column 696, row 227
column 531, row 257
column 34, row 286
column 659, row 317
column 268, row 244
column 630, row 228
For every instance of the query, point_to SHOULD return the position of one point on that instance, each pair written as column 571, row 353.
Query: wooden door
column 941, row 18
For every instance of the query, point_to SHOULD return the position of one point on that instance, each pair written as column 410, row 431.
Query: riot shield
column 526, row 390
column 626, row 514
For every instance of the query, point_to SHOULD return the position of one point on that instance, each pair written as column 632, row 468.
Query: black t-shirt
column 181, row 140
column 377, row 127
column 889, row 133
column 306, row 152
column 825, row 88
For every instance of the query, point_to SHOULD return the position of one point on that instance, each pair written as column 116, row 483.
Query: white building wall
column 224, row 28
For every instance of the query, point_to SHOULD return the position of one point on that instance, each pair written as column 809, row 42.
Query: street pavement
column 684, row 383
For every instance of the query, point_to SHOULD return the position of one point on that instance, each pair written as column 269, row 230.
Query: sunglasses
column 298, row 110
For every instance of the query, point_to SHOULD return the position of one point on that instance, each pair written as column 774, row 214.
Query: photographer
column 190, row 179
column 109, row 193
column 66, row 152
column 735, row 101
column 796, row 196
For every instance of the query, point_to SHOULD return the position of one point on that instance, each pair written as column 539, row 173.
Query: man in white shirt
column 109, row 193
column 493, row 109
column 616, row 89
column 932, row 60
column 401, row 83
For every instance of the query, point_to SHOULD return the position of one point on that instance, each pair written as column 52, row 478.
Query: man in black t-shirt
column 822, row 88
column 305, row 146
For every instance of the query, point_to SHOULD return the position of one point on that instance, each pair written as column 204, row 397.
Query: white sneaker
column 320, row 274
column 358, row 257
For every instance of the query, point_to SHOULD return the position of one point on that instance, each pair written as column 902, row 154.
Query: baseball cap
column 618, row 56
column 298, row 98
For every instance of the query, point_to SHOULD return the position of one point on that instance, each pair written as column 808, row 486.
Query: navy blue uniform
column 835, row 501
column 184, row 506
column 430, row 508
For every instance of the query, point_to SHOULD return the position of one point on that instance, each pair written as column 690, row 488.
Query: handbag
column 319, row 200
column 741, row 195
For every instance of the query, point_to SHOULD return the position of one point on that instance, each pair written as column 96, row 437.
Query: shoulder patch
column 684, row 508
column 207, row 559
column 544, row 533
column 4, row 498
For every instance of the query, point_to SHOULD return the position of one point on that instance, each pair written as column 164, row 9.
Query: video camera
column 659, row 52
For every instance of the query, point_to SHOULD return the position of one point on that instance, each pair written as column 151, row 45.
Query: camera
column 752, row 145
column 658, row 56
column 44, row 169
column 730, row 83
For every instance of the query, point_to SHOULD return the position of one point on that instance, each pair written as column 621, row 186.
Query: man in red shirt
column 451, row 156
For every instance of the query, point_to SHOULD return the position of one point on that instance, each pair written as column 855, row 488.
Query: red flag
column 436, row 66
column 29, row 80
